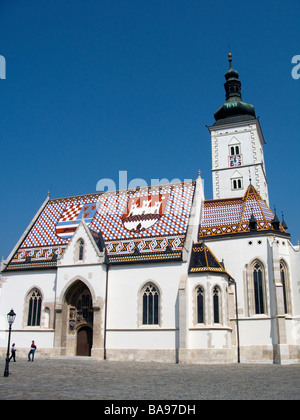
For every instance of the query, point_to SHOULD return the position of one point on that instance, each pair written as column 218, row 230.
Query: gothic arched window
column 285, row 287
column 259, row 288
column 150, row 304
column 217, row 305
column 200, row 305
column 34, row 308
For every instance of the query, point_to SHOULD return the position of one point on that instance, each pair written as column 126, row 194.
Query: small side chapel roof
column 236, row 215
column 144, row 224
column 203, row 260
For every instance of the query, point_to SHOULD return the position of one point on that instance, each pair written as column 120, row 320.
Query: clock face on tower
column 235, row 160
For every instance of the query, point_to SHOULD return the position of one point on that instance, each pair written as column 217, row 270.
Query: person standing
column 13, row 352
column 31, row 351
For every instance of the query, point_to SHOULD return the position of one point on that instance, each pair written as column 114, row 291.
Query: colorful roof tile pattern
column 134, row 224
column 232, row 216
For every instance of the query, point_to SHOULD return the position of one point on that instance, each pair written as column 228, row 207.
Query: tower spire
column 233, row 109
column 232, row 84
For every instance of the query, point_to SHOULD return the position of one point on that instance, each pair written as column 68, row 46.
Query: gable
column 91, row 253
column 236, row 175
column 234, row 142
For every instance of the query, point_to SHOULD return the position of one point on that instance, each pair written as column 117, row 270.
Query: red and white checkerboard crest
column 71, row 213
column 72, row 216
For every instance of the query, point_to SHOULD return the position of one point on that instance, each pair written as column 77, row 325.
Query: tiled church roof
column 136, row 225
column 232, row 215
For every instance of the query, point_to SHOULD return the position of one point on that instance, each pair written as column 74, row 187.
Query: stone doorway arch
column 78, row 313
column 80, row 305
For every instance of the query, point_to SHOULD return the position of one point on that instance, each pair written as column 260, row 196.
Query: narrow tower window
column 237, row 184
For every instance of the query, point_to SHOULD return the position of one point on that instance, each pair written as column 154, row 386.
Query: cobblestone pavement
column 87, row 378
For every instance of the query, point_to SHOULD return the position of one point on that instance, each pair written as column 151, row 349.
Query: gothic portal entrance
column 81, row 317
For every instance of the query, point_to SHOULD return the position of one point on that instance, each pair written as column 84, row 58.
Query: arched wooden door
column 84, row 341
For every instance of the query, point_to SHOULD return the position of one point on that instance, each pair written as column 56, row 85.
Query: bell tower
column 237, row 145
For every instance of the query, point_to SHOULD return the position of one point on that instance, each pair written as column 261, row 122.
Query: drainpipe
column 105, row 319
column 231, row 280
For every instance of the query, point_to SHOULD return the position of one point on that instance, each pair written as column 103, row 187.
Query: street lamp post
column 10, row 319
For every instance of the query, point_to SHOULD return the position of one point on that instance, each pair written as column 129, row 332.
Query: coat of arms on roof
column 143, row 212
column 72, row 216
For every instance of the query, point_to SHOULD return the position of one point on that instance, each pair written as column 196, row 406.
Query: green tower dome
column 234, row 109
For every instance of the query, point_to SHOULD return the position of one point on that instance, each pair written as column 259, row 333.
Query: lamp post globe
column 10, row 319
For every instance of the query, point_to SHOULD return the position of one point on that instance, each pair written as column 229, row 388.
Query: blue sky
column 94, row 87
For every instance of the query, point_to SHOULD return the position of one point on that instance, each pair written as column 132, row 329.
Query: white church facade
column 161, row 273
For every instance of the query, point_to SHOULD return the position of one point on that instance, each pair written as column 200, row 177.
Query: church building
column 161, row 273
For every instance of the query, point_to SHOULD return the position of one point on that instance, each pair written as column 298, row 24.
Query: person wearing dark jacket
column 13, row 352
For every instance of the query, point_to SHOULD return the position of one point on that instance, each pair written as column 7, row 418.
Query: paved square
column 87, row 378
